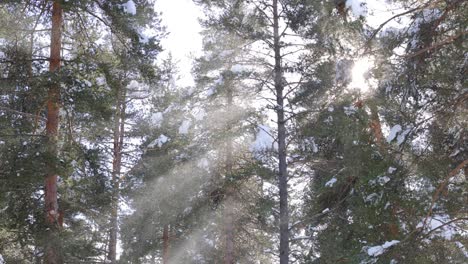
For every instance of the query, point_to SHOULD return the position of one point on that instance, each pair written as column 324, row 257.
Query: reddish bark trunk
column 52, row 252
column 376, row 127
column 119, row 130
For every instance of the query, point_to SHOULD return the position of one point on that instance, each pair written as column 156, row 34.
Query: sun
column 359, row 80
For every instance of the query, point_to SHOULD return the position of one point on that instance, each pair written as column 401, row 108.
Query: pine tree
column 73, row 156
column 52, row 251
column 365, row 183
column 222, row 71
column 259, row 21
column 430, row 66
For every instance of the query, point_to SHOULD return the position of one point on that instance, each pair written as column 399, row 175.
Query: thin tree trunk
column 166, row 244
column 31, row 51
column 376, row 127
column 229, row 226
column 52, row 252
column 282, row 168
column 119, row 131
column 229, row 201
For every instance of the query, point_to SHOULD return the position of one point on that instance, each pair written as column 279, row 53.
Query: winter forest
column 285, row 131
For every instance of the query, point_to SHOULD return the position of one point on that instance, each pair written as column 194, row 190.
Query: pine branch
column 442, row 185
column 379, row 28
column 445, row 224
column 436, row 45
column 21, row 113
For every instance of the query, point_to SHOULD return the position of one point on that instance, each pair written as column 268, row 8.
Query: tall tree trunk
column 119, row 132
column 166, row 244
column 52, row 253
column 229, row 201
column 282, row 168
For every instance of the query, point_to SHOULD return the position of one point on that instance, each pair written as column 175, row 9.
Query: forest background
column 246, row 131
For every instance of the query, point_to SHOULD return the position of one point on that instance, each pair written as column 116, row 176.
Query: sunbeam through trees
column 233, row 131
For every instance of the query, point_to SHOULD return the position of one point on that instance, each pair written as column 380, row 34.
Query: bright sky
column 184, row 41
column 376, row 13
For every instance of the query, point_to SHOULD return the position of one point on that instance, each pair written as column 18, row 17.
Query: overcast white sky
column 184, row 41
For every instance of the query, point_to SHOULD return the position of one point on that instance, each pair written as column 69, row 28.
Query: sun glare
column 359, row 80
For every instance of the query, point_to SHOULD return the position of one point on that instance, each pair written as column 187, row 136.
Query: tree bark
column 376, row 127
column 166, row 244
column 229, row 226
column 229, row 201
column 119, row 131
column 282, row 166
column 52, row 252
